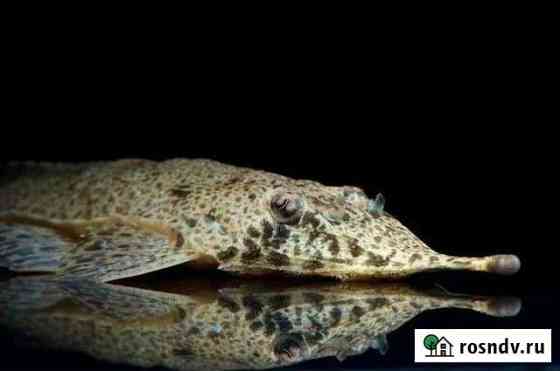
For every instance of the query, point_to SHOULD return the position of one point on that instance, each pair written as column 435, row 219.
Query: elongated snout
column 498, row 264
column 497, row 306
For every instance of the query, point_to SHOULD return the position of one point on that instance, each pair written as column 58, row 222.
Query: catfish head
column 343, row 321
column 270, row 223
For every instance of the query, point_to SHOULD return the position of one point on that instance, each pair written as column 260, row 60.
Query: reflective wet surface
column 219, row 322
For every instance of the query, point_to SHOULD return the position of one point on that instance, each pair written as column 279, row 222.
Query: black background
column 454, row 128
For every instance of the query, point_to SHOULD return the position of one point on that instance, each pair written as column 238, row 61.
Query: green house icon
column 438, row 347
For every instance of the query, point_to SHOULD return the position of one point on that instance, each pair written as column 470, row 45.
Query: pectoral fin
column 28, row 248
column 120, row 307
column 103, row 249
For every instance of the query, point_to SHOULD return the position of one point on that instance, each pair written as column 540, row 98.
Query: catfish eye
column 287, row 209
column 289, row 347
column 354, row 196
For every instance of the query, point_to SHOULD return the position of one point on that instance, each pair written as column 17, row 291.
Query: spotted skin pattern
column 232, row 328
column 140, row 216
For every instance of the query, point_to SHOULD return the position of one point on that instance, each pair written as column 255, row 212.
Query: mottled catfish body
column 111, row 220
column 208, row 329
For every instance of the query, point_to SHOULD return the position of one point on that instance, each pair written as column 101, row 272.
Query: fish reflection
column 245, row 327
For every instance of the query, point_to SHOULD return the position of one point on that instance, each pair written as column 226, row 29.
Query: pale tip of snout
column 507, row 306
column 504, row 264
